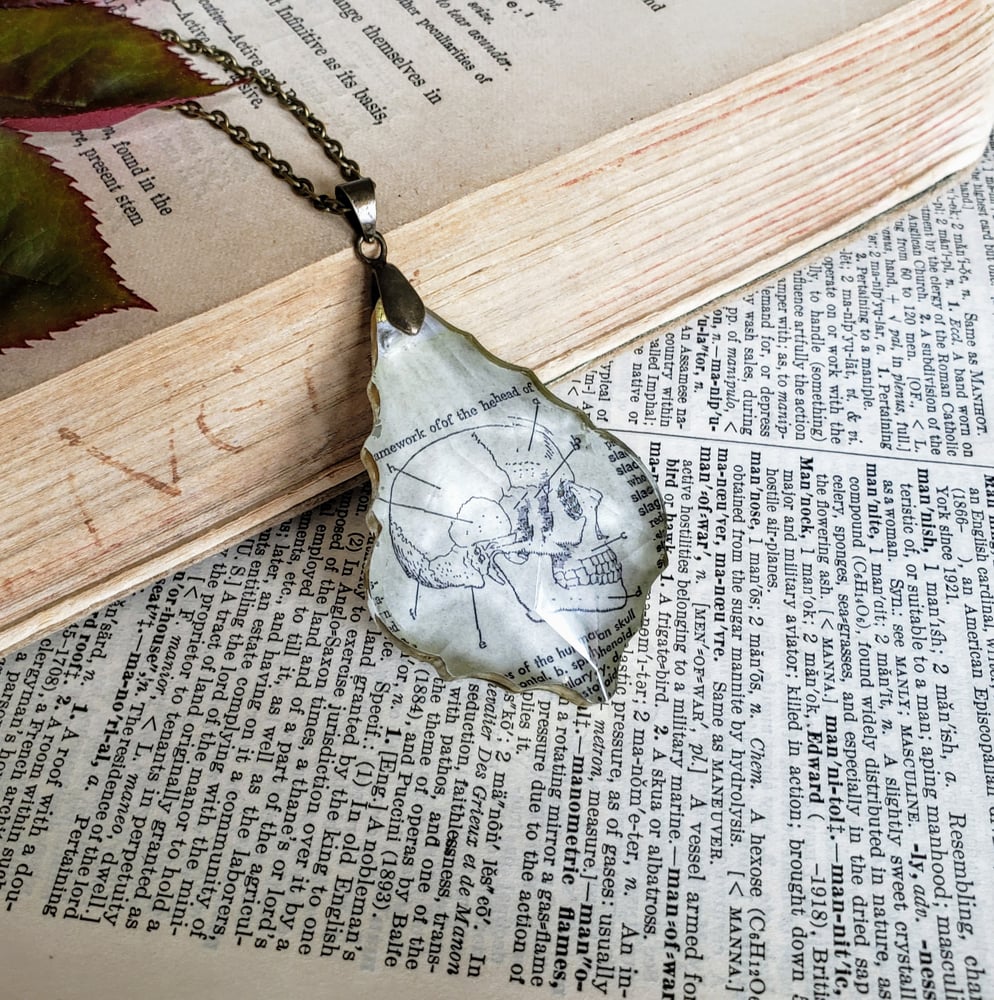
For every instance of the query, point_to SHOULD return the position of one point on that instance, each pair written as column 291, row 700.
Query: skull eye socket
column 570, row 502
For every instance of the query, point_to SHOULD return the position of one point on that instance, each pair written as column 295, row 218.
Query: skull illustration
column 513, row 515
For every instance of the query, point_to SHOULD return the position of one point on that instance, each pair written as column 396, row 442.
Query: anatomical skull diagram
column 512, row 515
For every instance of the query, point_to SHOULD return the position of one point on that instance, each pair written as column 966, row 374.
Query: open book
column 565, row 179
column 231, row 785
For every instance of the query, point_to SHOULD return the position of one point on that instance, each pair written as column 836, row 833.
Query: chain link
column 238, row 134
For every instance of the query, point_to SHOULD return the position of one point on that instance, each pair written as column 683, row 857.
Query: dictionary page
column 434, row 98
column 231, row 784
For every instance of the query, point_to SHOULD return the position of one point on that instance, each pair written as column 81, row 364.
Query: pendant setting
column 513, row 540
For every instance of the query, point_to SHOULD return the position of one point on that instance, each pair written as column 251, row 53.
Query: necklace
column 513, row 540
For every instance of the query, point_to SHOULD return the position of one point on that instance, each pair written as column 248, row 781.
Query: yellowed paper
column 434, row 100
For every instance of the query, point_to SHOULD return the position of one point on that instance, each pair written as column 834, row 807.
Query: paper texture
column 231, row 784
column 434, row 99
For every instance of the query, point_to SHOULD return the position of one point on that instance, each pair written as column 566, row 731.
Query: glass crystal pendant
column 514, row 541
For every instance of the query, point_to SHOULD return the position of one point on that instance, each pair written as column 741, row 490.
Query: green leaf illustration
column 54, row 272
column 77, row 66
column 67, row 66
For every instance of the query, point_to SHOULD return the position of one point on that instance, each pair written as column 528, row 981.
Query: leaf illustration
column 79, row 66
column 67, row 65
column 54, row 272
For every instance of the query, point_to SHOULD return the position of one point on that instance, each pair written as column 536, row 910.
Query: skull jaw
column 545, row 585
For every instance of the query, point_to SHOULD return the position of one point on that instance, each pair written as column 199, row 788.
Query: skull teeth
column 598, row 570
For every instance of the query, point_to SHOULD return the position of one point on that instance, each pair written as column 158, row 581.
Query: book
column 147, row 456
column 233, row 784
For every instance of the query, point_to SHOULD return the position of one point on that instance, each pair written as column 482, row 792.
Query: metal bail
column 403, row 306
column 359, row 198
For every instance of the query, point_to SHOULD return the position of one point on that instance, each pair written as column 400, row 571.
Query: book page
column 232, row 784
column 434, row 98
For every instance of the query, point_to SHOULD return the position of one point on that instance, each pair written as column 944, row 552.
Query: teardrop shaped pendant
column 514, row 541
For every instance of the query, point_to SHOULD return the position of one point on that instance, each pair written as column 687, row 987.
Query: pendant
column 514, row 541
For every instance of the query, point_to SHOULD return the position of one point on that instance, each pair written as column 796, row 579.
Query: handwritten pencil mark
column 173, row 461
column 218, row 442
column 87, row 519
column 75, row 441
column 312, row 392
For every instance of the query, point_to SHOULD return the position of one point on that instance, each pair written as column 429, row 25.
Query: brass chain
column 239, row 135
